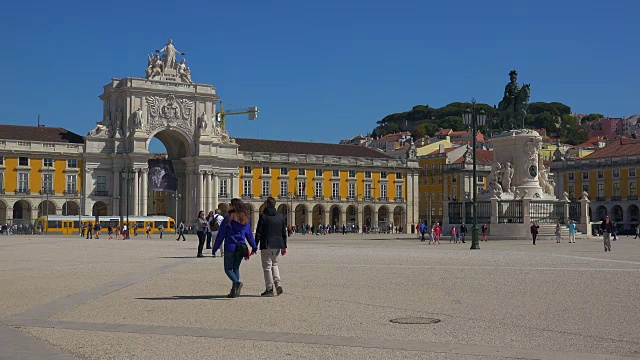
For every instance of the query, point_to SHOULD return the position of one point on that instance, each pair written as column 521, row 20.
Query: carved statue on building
column 507, row 176
column 513, row 106
column 184, row 72
column 585, row 195
column 202, row 123
column 496, row 179
column 411, row 152
column 99, row 131
column 137, row 119
column 155, row 66
column 170, row 61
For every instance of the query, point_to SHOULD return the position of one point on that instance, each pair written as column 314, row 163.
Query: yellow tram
column 69, row 225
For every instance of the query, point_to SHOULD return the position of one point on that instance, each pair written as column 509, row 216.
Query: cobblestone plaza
column 66, row 298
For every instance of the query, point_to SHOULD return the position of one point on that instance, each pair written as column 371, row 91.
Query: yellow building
column 40, row 173
column 430, row 148
column 608, row 176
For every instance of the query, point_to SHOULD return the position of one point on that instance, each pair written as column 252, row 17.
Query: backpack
column 213, row 224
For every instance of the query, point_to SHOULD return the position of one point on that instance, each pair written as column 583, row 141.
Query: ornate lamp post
column 177, row 196
column 127, row 174
column 473, row 119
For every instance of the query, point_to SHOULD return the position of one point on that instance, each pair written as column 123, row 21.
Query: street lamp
column 127, row 175
column 473, row 119
column 45, row 190
column 177, row 196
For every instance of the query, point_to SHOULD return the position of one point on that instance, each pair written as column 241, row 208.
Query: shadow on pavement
column 193, row 297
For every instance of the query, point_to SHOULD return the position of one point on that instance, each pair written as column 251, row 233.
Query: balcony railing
column 301, row 197
column 47, row 191
column 102, row 193
column 399, row 198
column 247, row 196
column 616, row 198
column 601, row 198
column 335, row 198
column 632, row 197
column 23, row 191
column 223, row 195
column 383, row 198
column 71, row 192
column 351, row 198
column 264, row 196
column 283, row 197
column 318, row 198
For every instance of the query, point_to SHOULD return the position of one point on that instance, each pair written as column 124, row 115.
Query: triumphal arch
column 168, row 105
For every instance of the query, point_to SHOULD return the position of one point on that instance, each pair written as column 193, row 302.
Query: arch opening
column 301, row 216
column 22, row 212
column 335, row 216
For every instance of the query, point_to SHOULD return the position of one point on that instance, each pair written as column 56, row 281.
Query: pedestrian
column 89, row 231
column 181, row 232
column 607, row 229
column 234, row 230
column 436, row 234
column 344, row 229
column 161, row 229
column 135, row 229
column 201, row 226
column 125, row 231
column 558, row 232
column 463, row 232
column 96, row 229
column 214, row 227
column 637, row 231
column 208, row 233
column 534, row 232
column 484, row 232
column 452, row 232
column 271, row 239
column 110, row 231
column 422, row 229
column 84, row 229
column 615, row 231
column 148, row 231
column 572, row 232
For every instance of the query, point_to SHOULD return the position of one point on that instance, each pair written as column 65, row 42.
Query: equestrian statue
column 513, row 106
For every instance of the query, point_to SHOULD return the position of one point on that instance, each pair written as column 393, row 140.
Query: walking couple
column 271, row 238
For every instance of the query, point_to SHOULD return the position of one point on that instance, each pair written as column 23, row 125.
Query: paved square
column 67, row 297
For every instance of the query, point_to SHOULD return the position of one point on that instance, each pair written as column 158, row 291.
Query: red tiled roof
column 621, row 147
column 39, row 133
column 483, row 157
column 298, row 147
column 443, row 132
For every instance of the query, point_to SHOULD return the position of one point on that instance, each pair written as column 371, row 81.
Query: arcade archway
column 301, row 216
column 70, row 208
column 352, row 215
column 368, row 216
column 318, row 215
column 634, row 214
column 398, row 216
column 46, row 207
column 334, row 213
column 601, row 211
column 618, row 214
column 284, row 210
column 3, row 212
column 22, row 212
column 99, row 209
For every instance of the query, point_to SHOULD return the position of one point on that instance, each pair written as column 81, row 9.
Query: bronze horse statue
column 512, row 111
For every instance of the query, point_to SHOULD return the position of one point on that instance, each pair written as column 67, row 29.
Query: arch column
column 145, row 191
column 343, row 216
column 374, row 217
column 207, row 192
column 136, row 192
column 199, row 190
column 216, row 190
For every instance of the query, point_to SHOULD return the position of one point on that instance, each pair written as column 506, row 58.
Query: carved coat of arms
column 169, row 111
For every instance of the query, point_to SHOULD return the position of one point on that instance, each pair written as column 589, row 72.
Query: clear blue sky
column 321, row 70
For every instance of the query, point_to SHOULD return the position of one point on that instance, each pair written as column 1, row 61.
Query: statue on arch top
column 513, row 106
column 170, row 61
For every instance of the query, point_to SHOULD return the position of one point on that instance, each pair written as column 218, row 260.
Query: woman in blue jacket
column 234, row 230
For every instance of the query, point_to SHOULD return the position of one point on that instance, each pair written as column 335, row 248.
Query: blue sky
column 326, row 70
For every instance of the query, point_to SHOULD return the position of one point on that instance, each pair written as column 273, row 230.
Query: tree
column 454, row 123
column 591, row 117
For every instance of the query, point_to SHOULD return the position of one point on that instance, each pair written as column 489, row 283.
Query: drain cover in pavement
column 415, row 320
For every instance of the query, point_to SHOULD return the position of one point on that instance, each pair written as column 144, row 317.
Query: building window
column 335, row 173
column 383, row 191
column 367, row 174
column 335, row 190
column 72, row 163
column 23, row 161
column 585, row 175
column 352, row 173
column 632, row 172
column 633, row 189
column 433, row 180
column 301, row 188
column 318, row 172
column 266, row 188
column 1, row 181
column 571, row 176
column 601, row 190
column 572, row 191
column 398, row 175
column 266, row 171
column 352, row 191
column 480, row 179
column 383, row 174
column 224, row 188
column 246, row 188
column 72, row 184
column 433, row 167
column 600, row 174
column 616, row 189
column 47, row 182
column 367, row 191
column 1, row 160
column 616, row 173
column 318, row 192
column 23, row 182
column 101, row 186
column 399, row 191
column 585, row 188
column 47, row 162
column 302, row 172
column 284, row 171
column 247, row 170
column 284, row 188
column 439, row 180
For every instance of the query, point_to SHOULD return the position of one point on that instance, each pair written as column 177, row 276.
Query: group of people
column 120, row 232
column 459, row 234
column 231, row 234
column 20, row 229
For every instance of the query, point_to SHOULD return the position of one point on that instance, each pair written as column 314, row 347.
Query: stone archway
column 22, row 212
column 384, row 220
column 3, row 212
column 352, row 215
column 368, row 216
column 70, row 208
column 633, row 214
column 601, row 212
column 301, row 216
column 317, row 216
column 284, row 210
column 46, row 207
column 618, row 214
column 398, row 217
column 99, row 209
column 334, row 216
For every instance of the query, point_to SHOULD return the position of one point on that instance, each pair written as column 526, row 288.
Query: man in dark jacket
column 271, row 238
column 607, row 230
column 534, row 231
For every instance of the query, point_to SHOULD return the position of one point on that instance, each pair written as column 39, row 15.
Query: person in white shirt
column 214, row 225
